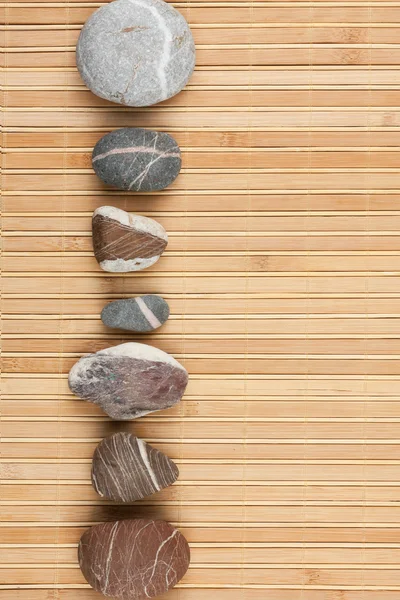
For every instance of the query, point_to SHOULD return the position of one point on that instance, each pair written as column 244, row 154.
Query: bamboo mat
column 282, row 274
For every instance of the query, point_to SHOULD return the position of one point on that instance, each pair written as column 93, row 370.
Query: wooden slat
column 208, row 117
column 228, row 34
column 227, row 56
column 286, row 449
column 217, row 555
column 266, row 76
column 207, row 14
column 200, row 594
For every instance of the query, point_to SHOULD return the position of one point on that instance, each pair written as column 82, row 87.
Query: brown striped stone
column 123, row 242
column 126, row 469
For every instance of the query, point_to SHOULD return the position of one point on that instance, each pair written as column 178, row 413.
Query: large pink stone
column 129, row 380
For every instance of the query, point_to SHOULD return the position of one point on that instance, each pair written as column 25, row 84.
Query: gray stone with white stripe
column 141, row 314
column 137, row 159
column 126, row 468
column 136, row 52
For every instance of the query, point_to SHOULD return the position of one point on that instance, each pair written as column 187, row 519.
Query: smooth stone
column 142, row 314
column 136, row 52
column 137, row 159
column 123, row 242
column 126, row 469
column 129, row 380
column 135, row 559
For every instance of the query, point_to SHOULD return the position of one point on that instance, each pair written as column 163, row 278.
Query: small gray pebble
column 136, row 52
column 137, row 159
column 142, row 314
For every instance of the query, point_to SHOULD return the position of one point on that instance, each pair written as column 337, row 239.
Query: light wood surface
column 282, row 274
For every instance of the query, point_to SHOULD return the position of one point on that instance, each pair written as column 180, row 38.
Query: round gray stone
column 137, row 159
column 136, row 52
column 142, row 314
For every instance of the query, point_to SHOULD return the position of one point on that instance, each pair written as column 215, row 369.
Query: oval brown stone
column 126, row 469
column 134, row 559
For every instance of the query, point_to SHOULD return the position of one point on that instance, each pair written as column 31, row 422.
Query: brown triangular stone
column 125, row 468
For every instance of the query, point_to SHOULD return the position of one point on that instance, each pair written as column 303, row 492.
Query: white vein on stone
column 147, row 313
column 173, row 534
column 109, row 556
column 143, row 174
column 166, row 51
column 137, row 150
column 143, row 453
